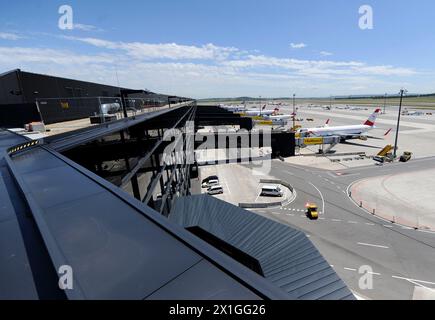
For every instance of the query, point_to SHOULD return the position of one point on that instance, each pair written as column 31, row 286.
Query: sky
column 205, row 48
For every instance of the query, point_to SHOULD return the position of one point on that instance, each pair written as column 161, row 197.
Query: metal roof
column 118, row 247
column 287, row 257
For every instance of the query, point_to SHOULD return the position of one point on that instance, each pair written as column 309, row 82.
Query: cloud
column 298, row 45
column 326, row 53
column 9, row 36
column 171, row 51
column 86, row 27
column 205, row 70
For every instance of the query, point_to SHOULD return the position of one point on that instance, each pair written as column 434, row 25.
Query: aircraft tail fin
column 372, row 119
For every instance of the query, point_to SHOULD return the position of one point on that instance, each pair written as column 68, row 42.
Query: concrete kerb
column 273, row 204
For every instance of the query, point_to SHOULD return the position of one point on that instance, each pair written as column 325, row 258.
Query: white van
column 216, row 189
column 272, row 191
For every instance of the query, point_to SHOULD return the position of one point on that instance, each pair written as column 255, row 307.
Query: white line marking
column 426, row 231
column 372, row 245
column 387, row 226
column 322, row 218
column 321, row 196
column 374, row 273
column 277, row 213
column 370, row 224
column 354, row 222
column 228, row 188
column 290, row 214
column 350, row 269
column 406, row 228
column 422, row 281
column 336, row 220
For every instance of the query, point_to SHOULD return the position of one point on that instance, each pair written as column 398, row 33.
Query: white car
column 216, row 189
column 210, row 183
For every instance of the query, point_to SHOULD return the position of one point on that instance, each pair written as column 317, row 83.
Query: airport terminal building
column 101, row 201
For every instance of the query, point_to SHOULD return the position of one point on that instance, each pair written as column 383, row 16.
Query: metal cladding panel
column 10, row 89
column 104, row 243
column 16, row 281
column 114, row 251
column 287, row 257
column 215, row 286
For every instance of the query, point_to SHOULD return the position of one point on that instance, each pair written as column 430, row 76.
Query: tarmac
column 404, row 198
column 241, row 184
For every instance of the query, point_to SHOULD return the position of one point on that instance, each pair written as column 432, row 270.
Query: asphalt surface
column 349, row 237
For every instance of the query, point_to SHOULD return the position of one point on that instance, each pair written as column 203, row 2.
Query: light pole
column 385, row 102
column 402, row 92
column 294, row 111
column 260, row 104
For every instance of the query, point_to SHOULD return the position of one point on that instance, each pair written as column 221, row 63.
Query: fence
column 99, row 109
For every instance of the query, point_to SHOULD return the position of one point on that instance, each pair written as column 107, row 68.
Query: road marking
column 406, row 228
column 322, row 218
column 354, row 222
column 277, row 213
column 373, row 273
column 372, row 245
column 387, row 226
column 415, row 280
column 336, row 220
column 289, row 214
column 350, row 269
column 426, row 231
column 321, row 196
column 228, row 188
column 370, row 224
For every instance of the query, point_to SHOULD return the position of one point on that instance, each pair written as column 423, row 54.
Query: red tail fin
column 372, row 119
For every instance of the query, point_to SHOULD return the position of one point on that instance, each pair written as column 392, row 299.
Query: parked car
column 210, row 183
column 205, row 182
column 215, row 189
column 272, row 191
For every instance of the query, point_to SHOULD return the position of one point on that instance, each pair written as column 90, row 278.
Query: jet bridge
column 330, row 142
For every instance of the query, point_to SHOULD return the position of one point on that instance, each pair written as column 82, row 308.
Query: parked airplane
column 260, row 112
column 406, row 112
column 345, row 132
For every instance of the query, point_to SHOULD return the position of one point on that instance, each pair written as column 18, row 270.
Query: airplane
column 345, row 132
column 281, row 119
column 261, row 112
column 406, row 112
column 233, row 108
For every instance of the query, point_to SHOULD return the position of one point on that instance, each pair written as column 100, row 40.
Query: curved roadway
column 349, row 237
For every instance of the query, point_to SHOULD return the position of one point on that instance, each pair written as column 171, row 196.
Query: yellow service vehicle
column 312, row 212
column 406, row 156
